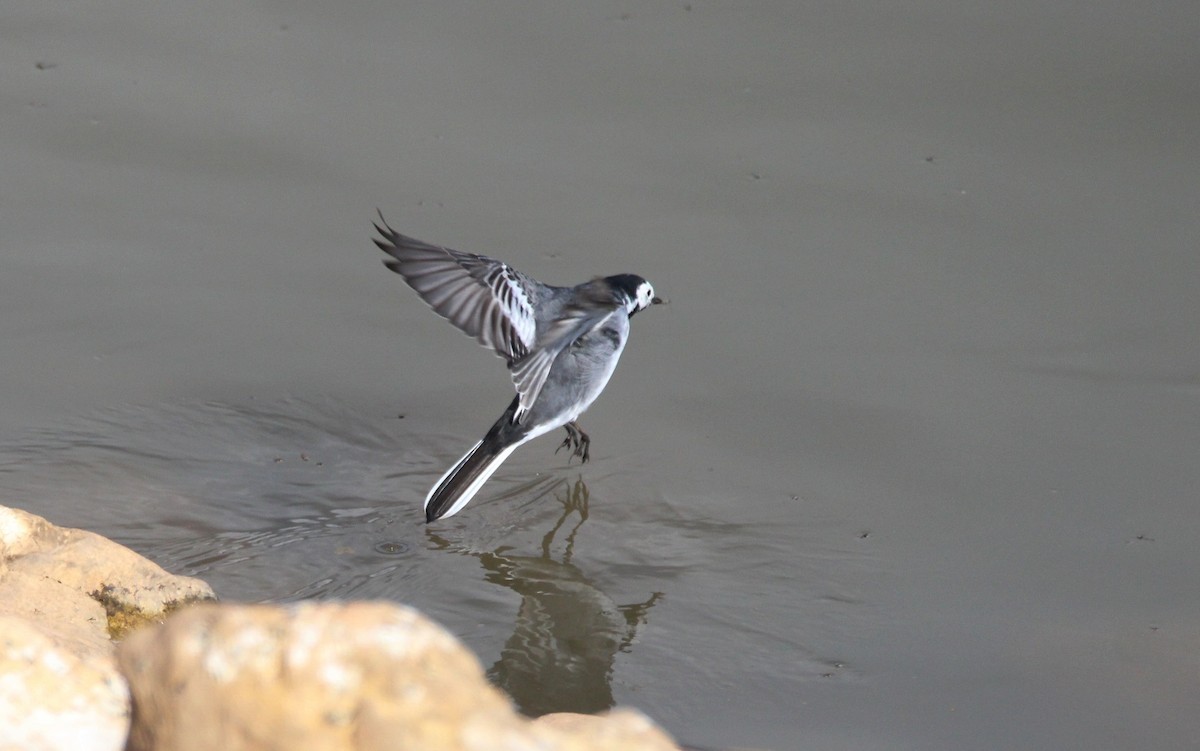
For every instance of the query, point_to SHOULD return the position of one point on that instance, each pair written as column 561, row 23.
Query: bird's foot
column 578, row 441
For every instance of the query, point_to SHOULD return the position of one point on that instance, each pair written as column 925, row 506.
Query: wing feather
column 485, row 298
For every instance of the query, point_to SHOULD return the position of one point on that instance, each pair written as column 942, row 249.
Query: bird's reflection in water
column 568, row 632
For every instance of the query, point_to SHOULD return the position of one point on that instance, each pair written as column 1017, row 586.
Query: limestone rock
column 22, row 533
column 59, row 591
column 52, row 698
column 331, row 676
column 128, row 586
column 73, row 621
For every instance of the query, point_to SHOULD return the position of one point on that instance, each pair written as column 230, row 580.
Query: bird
column 561, row 345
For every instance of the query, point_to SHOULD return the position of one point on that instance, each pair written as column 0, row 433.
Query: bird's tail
column 462, row 481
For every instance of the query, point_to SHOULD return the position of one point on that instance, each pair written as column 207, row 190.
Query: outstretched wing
column 487, row 299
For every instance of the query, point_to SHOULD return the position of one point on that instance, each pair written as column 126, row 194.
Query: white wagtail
column 561, row 345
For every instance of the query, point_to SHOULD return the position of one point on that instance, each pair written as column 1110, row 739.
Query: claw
column 566, row 444
column 576, row 440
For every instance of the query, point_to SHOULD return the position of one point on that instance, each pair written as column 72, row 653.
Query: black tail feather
column 458, row 480
column 462, row 481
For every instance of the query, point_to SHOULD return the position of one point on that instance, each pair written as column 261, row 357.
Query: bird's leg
column 576, row 440
column 566, row 441
column 585, row 443
column 582, row 443
column 572, row 439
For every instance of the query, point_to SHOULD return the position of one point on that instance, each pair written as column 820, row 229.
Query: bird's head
column 636, row 291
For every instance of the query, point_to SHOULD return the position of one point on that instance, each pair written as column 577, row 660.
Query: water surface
column 910, row 461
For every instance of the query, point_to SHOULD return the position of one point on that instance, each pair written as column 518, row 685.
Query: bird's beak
column 659, row 301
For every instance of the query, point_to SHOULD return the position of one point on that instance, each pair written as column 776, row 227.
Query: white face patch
column 645, row 296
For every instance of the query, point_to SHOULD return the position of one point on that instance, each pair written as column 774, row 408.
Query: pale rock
column 53, row 699
column 22, row 533
column 91, row 566
column 59, row 592
column 71, row 619
column 97, row 566
column 332, row 676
